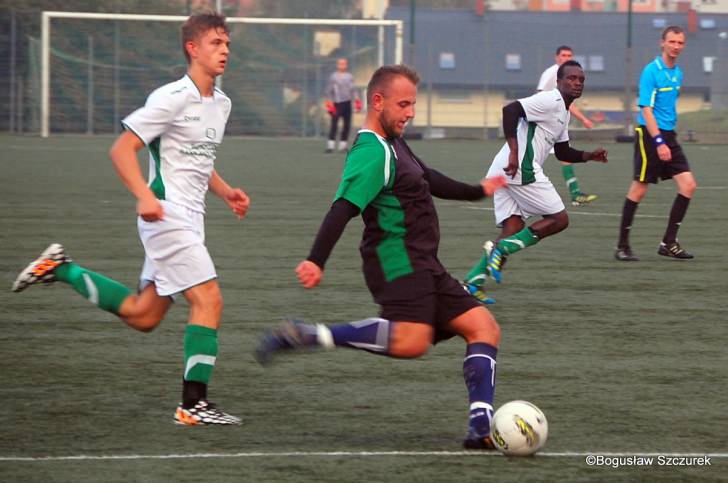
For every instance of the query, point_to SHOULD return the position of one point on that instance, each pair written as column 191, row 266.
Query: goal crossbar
column 46, row 33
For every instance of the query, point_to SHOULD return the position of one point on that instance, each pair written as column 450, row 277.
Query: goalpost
column 297, row 61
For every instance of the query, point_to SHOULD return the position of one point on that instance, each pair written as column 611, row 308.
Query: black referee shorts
column 648, row 167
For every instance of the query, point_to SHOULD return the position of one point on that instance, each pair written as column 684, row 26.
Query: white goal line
column 563, row 454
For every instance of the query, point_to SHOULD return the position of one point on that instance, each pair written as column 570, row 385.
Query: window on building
column 513, row 61
column 707, row 23
column 596, row 63
column 659, row 23
column 708, row 64
column 447, row 60
column 582, row 60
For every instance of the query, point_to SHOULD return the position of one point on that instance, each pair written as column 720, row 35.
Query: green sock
column 476, row 275
column 107, row 294
column 571, row 181
column 200, row 353
column 516, row 242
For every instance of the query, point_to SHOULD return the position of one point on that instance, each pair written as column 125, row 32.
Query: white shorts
column 176, row 256
column 538, row 198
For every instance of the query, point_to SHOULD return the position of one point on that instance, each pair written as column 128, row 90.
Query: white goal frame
column 46, row 34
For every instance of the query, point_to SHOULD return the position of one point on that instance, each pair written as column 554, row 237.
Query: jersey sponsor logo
column 190, row 118
column 210, row 133
column 205, row 150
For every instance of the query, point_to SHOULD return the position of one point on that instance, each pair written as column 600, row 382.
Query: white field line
column 353, row 454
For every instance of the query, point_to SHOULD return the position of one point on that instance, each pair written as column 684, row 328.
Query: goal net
column 96, row 68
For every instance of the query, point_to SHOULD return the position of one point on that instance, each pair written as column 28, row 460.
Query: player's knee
column 637, row 191
column 206, row 298
column 410, row 349
column 409, row 341
column 485, row 329
column 559, row 223
column 688, row 188
column 143, row 323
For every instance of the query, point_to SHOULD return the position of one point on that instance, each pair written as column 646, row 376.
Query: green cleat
column 583, row 199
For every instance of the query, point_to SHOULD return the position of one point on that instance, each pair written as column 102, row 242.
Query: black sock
column 677, row 213
column 628, row 211
column 192, row 392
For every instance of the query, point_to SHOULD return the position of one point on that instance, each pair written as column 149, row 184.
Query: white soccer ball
column 519, row 428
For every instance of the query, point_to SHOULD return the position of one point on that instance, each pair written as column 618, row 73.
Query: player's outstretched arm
column 599, row 154
column 564, row 152
column 441, row 186
column 123, row 154
column 235, row 198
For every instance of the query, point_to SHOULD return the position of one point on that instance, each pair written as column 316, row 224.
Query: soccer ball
column 519, row 428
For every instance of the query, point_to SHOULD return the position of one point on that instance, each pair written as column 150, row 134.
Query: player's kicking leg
column 375, row 335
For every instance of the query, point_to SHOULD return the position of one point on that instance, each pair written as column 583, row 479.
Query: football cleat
column 474, row 441
column 583, row 199
column 625, row 254
column 673, row 250
column 495, row 264
column 478, row 292
column 204, row 413
column 291, row 334
column 41, row 270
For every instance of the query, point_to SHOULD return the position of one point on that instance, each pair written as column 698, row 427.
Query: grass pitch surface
column 624, row 358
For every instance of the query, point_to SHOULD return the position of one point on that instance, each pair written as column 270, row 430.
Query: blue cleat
column 495, row 264
column 478, row 292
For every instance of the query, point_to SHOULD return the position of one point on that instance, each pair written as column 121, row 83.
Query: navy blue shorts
column 648, row 167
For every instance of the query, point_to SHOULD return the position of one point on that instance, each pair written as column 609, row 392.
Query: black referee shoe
column 625, row 254
column 673, row 250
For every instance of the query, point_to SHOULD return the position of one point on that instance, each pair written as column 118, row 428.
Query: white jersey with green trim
column 182, row 130
column 547, row 81
column 546, row 123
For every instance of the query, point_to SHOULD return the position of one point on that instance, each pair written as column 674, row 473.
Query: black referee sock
column 628, row 211
column 677, row 213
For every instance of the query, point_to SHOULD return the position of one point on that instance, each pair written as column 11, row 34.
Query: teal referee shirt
column 659, row 89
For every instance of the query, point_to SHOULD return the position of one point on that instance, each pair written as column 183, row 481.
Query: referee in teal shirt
column 657, row 154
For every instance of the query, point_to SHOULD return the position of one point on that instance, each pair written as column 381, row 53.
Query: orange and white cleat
column 42, row 269
column 204, row 413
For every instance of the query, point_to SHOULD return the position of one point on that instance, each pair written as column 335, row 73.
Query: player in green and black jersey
column 420, row 302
